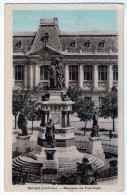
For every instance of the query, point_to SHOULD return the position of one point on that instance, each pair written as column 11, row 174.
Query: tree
column 85, row 111
column 68, row 179
column 31, row 112
column 85, row 173
column 75, row 94
column 19, row 102
column 17, row 105
column 109, row 107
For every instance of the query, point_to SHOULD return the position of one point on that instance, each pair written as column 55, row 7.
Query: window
column 101, row 101
column 102, row 72
column 87, row 43
column 73, row 43
column 44, row 73
column 19, row 44
column 73, row 72
column 45, row 38
column 115, row 73
column 88, row 72
column 19, row 73
column 102, row 43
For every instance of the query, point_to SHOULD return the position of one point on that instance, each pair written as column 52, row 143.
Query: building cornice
column 89, row 33
column 23, row 34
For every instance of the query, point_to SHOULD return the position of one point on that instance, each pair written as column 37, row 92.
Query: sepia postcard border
column 8, row 83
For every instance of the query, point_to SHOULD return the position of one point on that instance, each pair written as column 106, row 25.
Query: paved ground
column 79, row 129
column 113, row 181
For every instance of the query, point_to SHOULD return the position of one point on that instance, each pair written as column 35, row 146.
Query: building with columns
column 90, row 59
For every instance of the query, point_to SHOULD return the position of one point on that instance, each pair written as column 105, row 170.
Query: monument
column 56, row 139
column 56, row 151
column 22, row 138
column 95, row 141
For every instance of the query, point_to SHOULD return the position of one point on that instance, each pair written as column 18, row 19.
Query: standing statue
column 50, row 133
column 95, row 128
column 52, row 75
column 22, row 122
column 59, row 73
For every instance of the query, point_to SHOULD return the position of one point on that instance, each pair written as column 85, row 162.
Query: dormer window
column 45, row 38
column 19, row 44
column 73, row 43
column 87, row 43
column 102, row 43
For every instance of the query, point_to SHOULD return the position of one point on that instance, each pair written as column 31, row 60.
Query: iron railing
column 80, row 145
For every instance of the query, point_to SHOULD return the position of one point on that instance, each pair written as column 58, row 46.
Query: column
column 95, row 77
column 42, row 119
column 66, row 76
column 63, row 119
column 68, row 119
column 31, row 76
column 37, row 75
column 46, row 117
column 110, row 77
column 25, row 76
column 13, row 76
column 80, row 76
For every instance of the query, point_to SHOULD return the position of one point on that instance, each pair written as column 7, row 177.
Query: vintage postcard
column 64, row 97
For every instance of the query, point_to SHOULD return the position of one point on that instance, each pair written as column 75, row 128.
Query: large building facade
column 90, row 59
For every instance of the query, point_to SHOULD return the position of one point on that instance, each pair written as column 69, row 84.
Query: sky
column 68, row 20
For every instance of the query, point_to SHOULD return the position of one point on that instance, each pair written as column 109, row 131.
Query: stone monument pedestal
column 95, row 147
column 50, row 161
column 23, row 143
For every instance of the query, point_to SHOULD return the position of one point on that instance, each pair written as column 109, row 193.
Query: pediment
column 45, row 53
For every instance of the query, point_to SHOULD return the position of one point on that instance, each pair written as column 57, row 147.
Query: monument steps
column 17, row 162
column 30, row 167
column 95, row 162
column 23, row 159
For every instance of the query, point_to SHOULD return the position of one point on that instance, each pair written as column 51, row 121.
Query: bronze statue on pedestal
column 50, row 134
column 56, row 74
column 22, row 122
column 95, row 128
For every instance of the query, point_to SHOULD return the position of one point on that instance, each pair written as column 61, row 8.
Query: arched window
column 102, row 72
column 19, row 73
column 44, row 73
column 73, row 72
column 73, row 43
column 19, row 44
column 45, row 38
column 115, row 73
column 88, row 72
column 87, row 43
column 102, row 43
